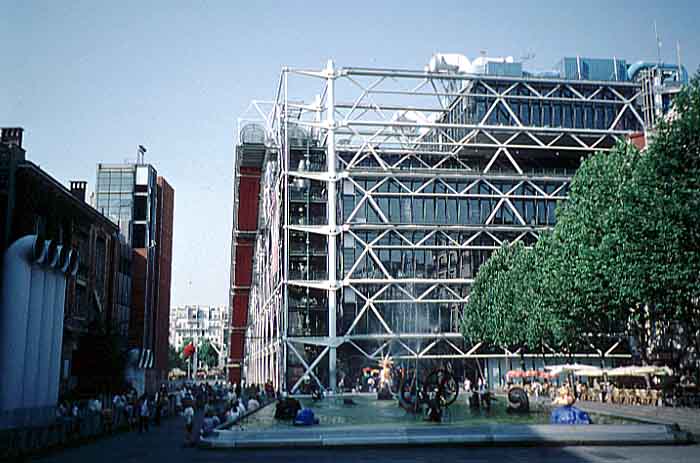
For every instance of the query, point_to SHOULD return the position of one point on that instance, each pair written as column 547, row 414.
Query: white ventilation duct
column 449, row 62
column 31, row 330
column 460, row 64
column 479, row 64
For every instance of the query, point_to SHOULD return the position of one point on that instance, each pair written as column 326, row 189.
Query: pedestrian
column 207, row 424
column 178, row 401
column 159, row 407
column 144, row 414
column 129, row 413
column 188, row 415
column 253, row 403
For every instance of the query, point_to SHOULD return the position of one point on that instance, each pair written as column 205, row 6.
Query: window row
column 437, row 210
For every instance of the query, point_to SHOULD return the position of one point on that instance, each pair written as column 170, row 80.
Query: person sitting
column 241, row 408
column 474, row 400
column 565, row 397
column 253, row 404
column 207, row 425
column 287, row 408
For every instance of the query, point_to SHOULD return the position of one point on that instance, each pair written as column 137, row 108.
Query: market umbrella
column 640, row 371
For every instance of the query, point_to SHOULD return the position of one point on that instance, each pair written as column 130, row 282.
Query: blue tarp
column 569, row 415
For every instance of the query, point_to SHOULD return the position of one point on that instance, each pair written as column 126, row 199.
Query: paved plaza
column 164, row 444
column 687, row 418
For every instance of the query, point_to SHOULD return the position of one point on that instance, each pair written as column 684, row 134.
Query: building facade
column 382, row 196
column 86, row 246
column 248, row 167
column 142, row 204
column 198, row 323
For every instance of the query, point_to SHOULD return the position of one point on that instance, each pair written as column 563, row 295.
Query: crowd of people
column 620, row 391
column 124, row 410
column 220, row 403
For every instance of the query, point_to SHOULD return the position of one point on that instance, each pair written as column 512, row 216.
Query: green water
column 331, row 412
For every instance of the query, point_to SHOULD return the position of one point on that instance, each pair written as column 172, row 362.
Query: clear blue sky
column 90, row 80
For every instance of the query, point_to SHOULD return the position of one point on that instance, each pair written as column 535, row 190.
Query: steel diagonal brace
column 309, row 368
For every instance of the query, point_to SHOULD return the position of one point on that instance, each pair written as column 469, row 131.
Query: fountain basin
column 383, row 423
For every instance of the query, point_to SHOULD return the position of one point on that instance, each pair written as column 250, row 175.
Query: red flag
column 188, row 351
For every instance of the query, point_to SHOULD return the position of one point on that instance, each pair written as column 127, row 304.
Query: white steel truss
column 381, row 198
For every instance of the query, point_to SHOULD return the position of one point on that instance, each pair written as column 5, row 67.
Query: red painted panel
column 240, row 308
column 244, row 263
column 250, row 171
column 639, row 140
column 248, row 191
column 237, row 346
column 234, row 375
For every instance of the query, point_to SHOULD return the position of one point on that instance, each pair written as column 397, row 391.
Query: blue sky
column 90, row 80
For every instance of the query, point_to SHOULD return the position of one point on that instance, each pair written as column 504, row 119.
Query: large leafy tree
column 206, row 354
column 175, row 359
column 659, row 268
column 585, row 245
column 624, row 257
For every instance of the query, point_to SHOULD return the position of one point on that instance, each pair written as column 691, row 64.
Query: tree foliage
column 206, row 354
column 624, row 255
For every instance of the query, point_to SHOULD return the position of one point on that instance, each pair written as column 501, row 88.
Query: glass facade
column 374, row 225
column 127, row 195
column 114, row 196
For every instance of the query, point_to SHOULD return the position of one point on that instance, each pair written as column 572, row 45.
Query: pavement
column 687, row 418
column 165, row 444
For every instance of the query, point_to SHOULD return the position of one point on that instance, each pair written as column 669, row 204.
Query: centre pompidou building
column 383, row 190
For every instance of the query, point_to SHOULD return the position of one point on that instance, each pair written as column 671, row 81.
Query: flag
column 188, row 350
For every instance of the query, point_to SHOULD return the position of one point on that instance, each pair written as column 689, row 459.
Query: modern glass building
column 126, row 193
column 382, row 195
column 142, row 204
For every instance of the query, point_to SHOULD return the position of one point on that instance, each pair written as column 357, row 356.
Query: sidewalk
column 687, row 418
column 160, row 443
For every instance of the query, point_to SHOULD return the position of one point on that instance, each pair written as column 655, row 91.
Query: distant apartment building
column 197, row 323
column 142, row 204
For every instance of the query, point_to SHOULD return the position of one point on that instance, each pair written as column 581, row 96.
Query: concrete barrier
column 509, row 435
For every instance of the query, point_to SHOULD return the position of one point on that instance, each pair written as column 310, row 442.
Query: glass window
column 429, row 210
column 556, row 115
column 525, row 114
column 588, row 117
column 578, row 117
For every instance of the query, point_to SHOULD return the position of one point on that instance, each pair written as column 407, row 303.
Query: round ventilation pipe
column 74, row 261
column 53, row 254
column 64, row 260
column 38, row 252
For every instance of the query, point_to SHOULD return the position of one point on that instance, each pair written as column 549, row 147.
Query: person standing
column 188, row 415
column 159, row 407
column 144, row 413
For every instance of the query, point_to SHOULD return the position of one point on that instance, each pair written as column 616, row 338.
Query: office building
column 382, row 194
column 66, row 289
column 142, row 204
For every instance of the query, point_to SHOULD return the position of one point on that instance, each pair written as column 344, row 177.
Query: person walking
column 188, row 415
column 159, row 406
column 144, row 414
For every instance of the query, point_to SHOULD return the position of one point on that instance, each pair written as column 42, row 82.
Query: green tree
column 206, row 354
column 175, row 359
column 659, row 268
column 623, row 258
